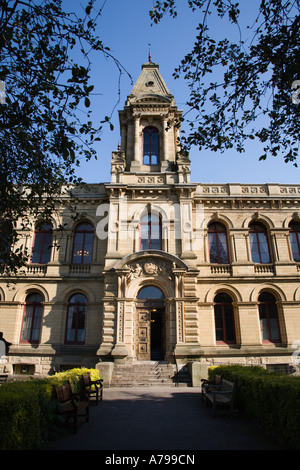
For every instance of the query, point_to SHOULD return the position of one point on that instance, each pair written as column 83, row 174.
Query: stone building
column 154, row 267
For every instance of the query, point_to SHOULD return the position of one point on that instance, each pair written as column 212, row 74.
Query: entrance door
column 150, row 326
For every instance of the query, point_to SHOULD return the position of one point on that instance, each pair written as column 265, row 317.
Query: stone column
column 136, row 163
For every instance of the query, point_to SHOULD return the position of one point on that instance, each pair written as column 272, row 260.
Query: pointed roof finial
column 119, row 147
column 150, row 58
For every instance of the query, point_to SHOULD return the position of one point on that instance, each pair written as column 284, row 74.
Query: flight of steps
column 149, row 373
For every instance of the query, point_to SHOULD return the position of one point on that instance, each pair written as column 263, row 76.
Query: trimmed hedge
column 28, row 415
column 271, row 399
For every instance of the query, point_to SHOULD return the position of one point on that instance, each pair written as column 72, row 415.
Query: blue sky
column 125, row 27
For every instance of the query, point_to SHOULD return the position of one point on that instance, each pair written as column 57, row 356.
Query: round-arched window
column 83, row 244
column 268, row 317
column 218, row 246
column 150, row 292
column 76, row 319
column 32, row 319
column 259, row 243
column 224, row 318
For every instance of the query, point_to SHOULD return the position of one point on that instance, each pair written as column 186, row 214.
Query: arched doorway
column 150, row 310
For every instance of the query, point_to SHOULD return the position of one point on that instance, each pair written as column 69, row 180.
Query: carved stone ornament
column 149, row 267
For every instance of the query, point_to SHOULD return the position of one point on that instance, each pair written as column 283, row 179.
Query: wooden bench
column 71, row 405
column 208, row 385
column 221, row 398
column 93, row 388
column 3, row 378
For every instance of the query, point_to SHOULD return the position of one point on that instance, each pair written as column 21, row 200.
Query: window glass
column 83, row 244
column 217, row 241
column 150, row 232
column 268, row 317
column 32, row 320
column 224, row 318
column 295, row 240
column 150, row 292
column 41, row 251
column 76, row 319
column 259, row 245
column 150, row 146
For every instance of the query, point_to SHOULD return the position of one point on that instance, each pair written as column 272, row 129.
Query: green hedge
column 28, row 410
column 271, row 399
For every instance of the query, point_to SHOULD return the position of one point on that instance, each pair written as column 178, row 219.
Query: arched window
column 150, row 292
column 268, row 316
column 32, row 319
column 259, row 243
column 217, row 241
column 224, row 319
column 150, row 146
column 76, row 319
column 42, row 244
column 83, row 244
column 150, row 232
column 295, row 240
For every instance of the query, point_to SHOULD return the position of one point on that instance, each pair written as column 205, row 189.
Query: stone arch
column 259, row 218
column 155, row 254
column 50, row 220
column 21, row 295
column 161, row 283
column 226, row 288
column 159, row 209
column 219, row 218
column 2, row 295
column 292, row 218
column 86, row 291
column 296, row 296
column 268, row 287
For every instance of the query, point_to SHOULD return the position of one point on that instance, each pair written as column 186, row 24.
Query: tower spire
column 149, row 57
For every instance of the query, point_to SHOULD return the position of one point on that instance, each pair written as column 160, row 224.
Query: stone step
column 149, row 373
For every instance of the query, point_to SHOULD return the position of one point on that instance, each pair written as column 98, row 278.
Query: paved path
column 161, row 418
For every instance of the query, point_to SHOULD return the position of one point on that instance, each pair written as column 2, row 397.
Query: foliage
column 28, row 415
column 241, row 82
column 74, row 376
column 45, row 124
column 271, row 399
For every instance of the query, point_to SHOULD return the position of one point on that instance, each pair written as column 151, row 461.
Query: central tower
column 150, row 132
column 149, row 244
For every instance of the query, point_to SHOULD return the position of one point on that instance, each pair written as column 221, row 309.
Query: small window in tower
column 150, row 146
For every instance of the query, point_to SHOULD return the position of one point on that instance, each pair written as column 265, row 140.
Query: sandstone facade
column 154, row 266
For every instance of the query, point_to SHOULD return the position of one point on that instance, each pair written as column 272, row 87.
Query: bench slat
column 70, row 404
column 222, row 397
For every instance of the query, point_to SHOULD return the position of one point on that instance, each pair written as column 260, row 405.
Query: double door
column 150, row 330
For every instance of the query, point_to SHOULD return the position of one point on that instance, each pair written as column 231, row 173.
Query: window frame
column 150, row 130
column 266, row 305
column 74, row 317
column 84, row 232
column 32, row 317
column 150, row 224
column 40, row 232
column 218, row 242
column 225, row 328
column 258, row 243
column 292, row 243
